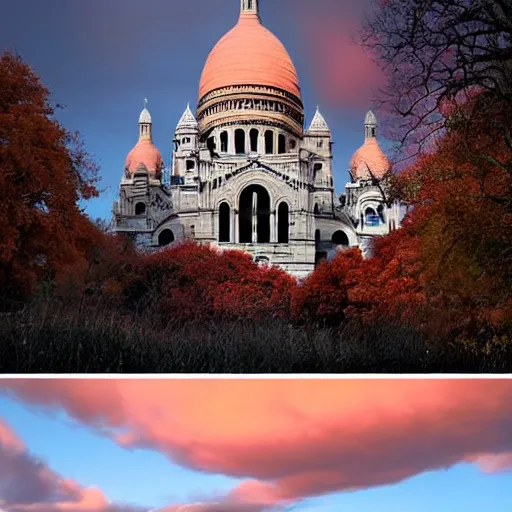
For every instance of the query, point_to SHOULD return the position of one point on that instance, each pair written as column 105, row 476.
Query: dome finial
column 145, row 103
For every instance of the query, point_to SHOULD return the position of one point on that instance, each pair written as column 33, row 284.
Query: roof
column 318, row 123
column 187, row 120
column 249, row 54
column 145, row 117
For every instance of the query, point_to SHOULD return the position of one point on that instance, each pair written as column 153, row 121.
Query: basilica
column 246, row 173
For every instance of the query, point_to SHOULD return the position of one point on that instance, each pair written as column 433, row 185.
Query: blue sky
column 74, row 449
column 102, row 58
column 135, row 476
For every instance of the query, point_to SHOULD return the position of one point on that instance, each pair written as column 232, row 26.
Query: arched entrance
column 254, row 215
column 340, row 238
column 224, row 223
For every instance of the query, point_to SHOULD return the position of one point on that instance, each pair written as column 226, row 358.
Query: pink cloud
column 494, row 463
column 296, row 439
column 343, row 73
column 33, row 486
column 29, row 485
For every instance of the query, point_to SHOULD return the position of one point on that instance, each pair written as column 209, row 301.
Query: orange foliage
column 463, row 216
column 44, row 171
column 449, row 269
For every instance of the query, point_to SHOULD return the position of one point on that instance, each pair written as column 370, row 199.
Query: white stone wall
column 301, row 177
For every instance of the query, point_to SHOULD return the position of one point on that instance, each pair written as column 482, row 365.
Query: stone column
column 236, row 222
column 232, row 216
column 273, row 227
column 254, row 236
column 261, row 142
column 231, row 141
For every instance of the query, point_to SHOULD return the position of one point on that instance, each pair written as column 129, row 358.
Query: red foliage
column 191, row 282
column 44, row 171
column 449, row 269
column 384, row 287
column 323, row 296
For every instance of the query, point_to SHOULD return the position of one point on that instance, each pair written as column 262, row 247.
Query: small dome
column 145, row 117
column 249, row 54
column 144, row 153
column 318, row 124
column 370, row 118
column 369, row 154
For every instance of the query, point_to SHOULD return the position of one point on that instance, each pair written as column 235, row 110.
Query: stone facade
column 246, row 175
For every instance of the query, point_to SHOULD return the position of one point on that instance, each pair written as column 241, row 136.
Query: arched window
column 254, row 215
column 340, row 238
column 239, row 142
column 316, row 211
column 371, row 217
column 269, row 142
column 224, row 222
column 190, row 165
column 254, row 134
column 224, row 142
column 140, row 208
column 317, row 238
column 166, row 237
column 283, row 223
column 281, row 144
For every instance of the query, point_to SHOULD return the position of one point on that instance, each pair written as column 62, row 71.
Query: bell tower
column 145, row 124
column 249, row 7
column 370, row 126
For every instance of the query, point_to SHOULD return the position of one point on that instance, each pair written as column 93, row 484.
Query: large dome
column 249, row 54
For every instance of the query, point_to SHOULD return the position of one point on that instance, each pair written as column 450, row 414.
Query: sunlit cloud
column 291, row 440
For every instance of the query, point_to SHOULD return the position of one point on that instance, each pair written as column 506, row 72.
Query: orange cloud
column 296, row 439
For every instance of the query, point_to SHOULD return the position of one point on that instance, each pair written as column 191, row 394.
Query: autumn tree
column 449, row 64
column 437, row 52
column 44, row 172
